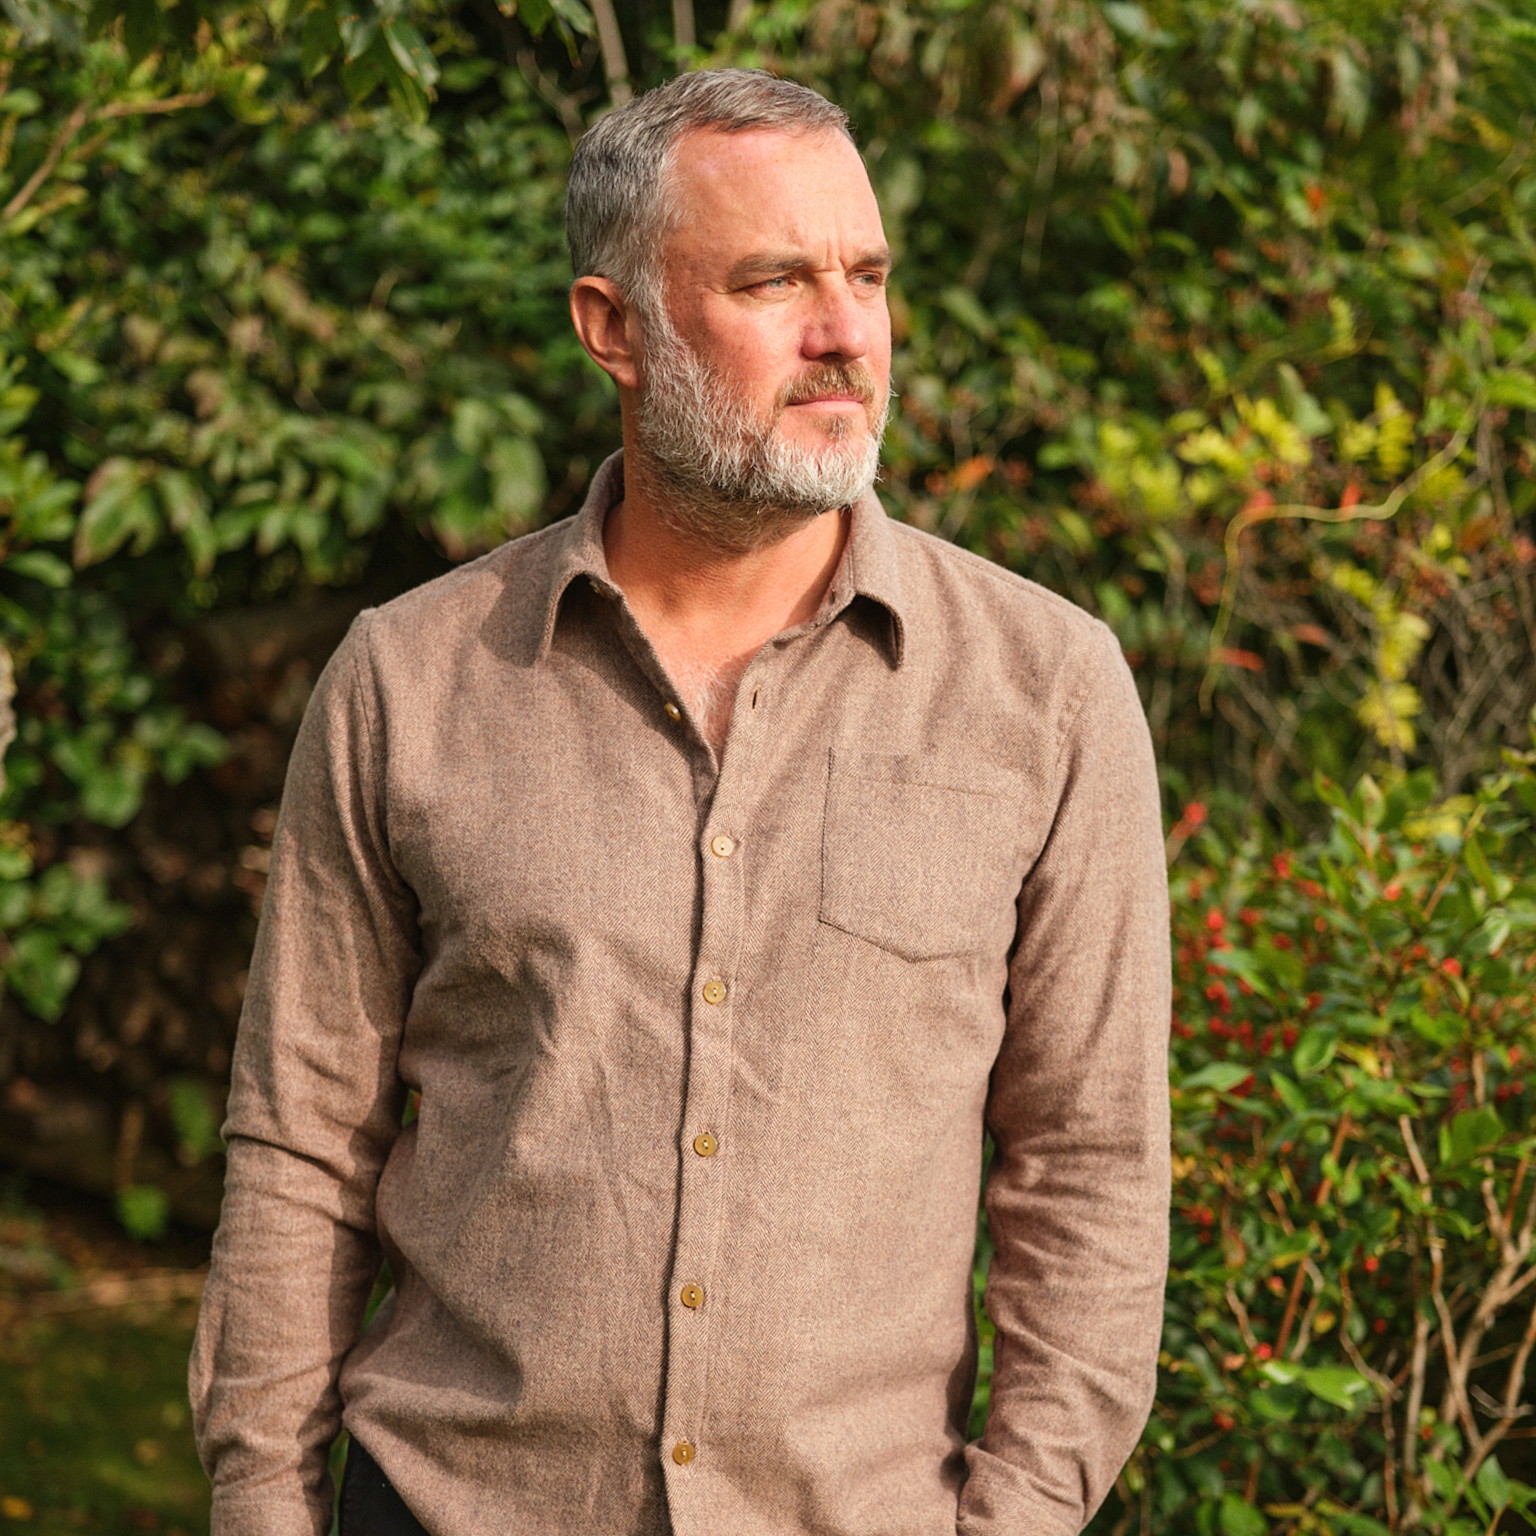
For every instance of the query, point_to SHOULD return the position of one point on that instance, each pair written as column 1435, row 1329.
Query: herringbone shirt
column 706, row 1050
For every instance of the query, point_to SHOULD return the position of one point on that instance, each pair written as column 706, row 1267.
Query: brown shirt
column 682, row 1233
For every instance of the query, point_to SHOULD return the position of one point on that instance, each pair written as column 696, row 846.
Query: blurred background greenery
column 1219, row 318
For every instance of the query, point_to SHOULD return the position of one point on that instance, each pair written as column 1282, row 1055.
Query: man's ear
column 608, row 328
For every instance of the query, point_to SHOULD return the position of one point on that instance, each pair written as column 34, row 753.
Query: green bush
column 329, row 352
column 1216, row 318
column 1352, row 1304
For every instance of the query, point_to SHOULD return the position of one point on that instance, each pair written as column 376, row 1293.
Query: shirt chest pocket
column 922, row 856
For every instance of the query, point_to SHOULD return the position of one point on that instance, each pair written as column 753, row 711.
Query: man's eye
column 776, row 284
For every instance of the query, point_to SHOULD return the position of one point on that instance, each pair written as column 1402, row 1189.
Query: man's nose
column 839, row 324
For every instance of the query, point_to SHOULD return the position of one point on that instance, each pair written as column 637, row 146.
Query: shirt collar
column 868, row 568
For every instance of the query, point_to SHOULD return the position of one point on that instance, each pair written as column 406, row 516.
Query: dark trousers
column 369, row 1504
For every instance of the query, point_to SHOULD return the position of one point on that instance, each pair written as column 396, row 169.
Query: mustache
column 830, row 379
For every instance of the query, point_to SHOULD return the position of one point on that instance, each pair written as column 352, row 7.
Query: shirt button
column 714, row 991
column 692, row 1297
column 705, row 1144
column 722, row 847
column 671, row 710
column 683, row 1453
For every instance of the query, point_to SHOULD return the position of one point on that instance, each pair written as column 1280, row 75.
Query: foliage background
column 1219, row 319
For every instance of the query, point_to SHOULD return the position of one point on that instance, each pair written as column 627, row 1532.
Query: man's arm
column 1077, row 1196
column 314, row 1108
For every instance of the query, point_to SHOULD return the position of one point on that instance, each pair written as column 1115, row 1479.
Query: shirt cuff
column 267, row 1512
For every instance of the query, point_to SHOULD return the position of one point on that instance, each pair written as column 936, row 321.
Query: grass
column 95, row 1432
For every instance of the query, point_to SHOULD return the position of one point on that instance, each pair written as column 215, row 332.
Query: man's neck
column 709, row 611
column 717, row 604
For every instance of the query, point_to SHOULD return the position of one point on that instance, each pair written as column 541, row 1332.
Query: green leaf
column 1357, row 1525
column 518, row 482
column 1494, row 932
column 194, row 745
column 1240, row 1518
column 574, row 14
column 1315, row 1049
column 1504, row 386
column 1477, row 863
column 1471, row 1132
column 411, row 52
column 113, row 794
column 41, row 566
column 319, row 40
column 407, row 94
column 1336, row 1384
column 1247, row 964
column 1445, row 1480
column 195, row 1120
column 1128, row 18
column 363, row 76
column 358, row 33
column 964, row 306
column 15, row 864
column 1439, row 1029
column 1289, row 1093
column 1220, row 1075
column 144, row 1211
column 42, row 972
column 77, row 367
column 21, row 103
column 1493, row 1484
column 117, row 509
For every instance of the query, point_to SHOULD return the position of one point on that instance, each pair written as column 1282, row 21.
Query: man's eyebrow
column 766, row 263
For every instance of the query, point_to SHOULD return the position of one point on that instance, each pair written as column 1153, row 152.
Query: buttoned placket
column 698, row 1294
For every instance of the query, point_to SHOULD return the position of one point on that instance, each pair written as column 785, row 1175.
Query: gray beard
column 730, row 480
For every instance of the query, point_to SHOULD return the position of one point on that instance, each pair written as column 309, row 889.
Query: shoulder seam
column 364, row 627
column 945, row 549
column 1106, row 637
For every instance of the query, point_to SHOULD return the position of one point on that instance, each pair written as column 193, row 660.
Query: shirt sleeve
column 1078, row 1192
column 314, row 1109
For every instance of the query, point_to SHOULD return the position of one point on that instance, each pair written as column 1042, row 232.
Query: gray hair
column 617, row 201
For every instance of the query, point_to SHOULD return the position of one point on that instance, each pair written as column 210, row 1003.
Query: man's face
column 764, row 387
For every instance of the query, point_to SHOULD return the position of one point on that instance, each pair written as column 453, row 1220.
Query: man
column 717, row 865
